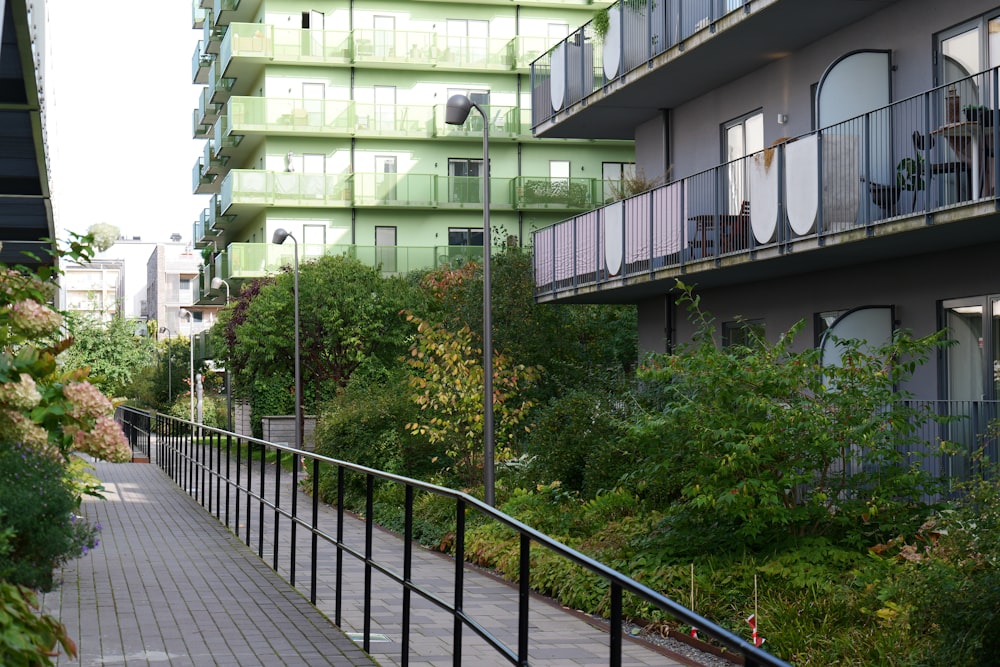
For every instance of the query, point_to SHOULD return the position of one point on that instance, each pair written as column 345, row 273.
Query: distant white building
column 142, row 281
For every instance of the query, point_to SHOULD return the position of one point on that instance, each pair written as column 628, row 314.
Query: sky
column 120, row 103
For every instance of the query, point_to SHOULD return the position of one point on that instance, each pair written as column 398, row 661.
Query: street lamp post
column 279, row 237
column 456, row 113
column 170, row 358
column 218, row 282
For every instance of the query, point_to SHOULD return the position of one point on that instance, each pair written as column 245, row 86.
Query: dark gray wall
column 906, row 28
column 914, row 286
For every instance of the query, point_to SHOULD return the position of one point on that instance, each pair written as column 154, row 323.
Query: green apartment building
column 327, row 119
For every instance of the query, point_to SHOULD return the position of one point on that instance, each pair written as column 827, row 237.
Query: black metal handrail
column 136, row 427
column 192, row 454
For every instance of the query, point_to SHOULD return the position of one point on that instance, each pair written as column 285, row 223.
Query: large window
column 741, row 137
column 743, row 333
column 465, row 236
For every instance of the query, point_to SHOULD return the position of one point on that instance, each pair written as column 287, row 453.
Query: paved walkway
column 170, row 585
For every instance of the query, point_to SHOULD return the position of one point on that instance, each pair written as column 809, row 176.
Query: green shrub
column 366, row 425
column 28, row 638
column 38, row 511
column 571, row 431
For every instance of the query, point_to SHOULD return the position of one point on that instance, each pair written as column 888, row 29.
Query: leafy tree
column 349, row 319
column 448, row 384
column 111, row 350
column 576, row 345
column 760, row 442
column 158, row 385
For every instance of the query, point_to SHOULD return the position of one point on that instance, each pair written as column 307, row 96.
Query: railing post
column 315, row 527
column 295, row 505
column 459, row 581
column 407, row 569
column 523, row 600
column 369, row 526
column 277, row 497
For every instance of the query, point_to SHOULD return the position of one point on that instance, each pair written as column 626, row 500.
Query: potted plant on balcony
column 978, row 114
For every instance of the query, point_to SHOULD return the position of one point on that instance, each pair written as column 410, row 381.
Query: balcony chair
column 734, row 231
column 959, row 168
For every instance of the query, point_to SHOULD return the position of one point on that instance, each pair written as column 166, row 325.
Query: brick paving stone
column 169, row 586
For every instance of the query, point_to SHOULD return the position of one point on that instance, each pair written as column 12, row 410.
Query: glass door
column 385, row 248
column 743, row 137
column 385, row 177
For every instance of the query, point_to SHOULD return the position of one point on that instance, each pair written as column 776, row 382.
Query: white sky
column 120, row 105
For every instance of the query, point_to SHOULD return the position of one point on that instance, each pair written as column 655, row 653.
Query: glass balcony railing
column 268, row 188
column 200, row 129
column 898, row 164
column 330, row 117
column 201, row 64
column 219, row 87
column 242, row 261
column 201, row 180
column 400, row 48
column 197, row 15
column 504, row 122
column 202, row 231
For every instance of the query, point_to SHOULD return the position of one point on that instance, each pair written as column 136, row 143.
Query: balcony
column 246, row 191
column 225, row 12
column 202, row 231
column 680, row 49
column 902, row 180
column 393, row 48
column 203, row 183
column 197, row 15
column 201, row 63
column 329, row 118
column 243, row 261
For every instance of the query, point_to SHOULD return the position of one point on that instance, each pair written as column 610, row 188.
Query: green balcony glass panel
column 397, row 120
column 266, row 114
column 410, row 47
column 389, row 189
column 559, row 193
column 293, row 189
column 243, row 261
column 504, row 123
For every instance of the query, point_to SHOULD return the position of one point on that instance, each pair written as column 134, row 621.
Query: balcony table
column 973, row 144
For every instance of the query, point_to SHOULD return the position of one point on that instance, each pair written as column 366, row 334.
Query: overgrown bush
column 38, row 510
column 768, row 444
column 567, row 440
column 366, row 425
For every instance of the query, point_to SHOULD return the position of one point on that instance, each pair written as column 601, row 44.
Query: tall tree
column 113, row 351
column 349, row 317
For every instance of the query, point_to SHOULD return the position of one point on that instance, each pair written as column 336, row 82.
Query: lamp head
column 164, row 330
column 217, row 282
column 457, row 109
column 279, row 236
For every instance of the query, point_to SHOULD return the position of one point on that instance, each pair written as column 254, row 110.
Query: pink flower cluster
column 21, row 395
column 87, row 401
column 105, row 441
column 34, row 319
column 17, row 427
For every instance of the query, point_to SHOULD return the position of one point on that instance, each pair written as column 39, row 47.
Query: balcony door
column 385, row 108
column 313, row 240
column 313, row 175
column 464, row 175
column 313, row 96
column 741, row 137
column 971, row 368
column 385, row 177
column 385, row 248
column 313, row 24
column 385, row 36
column 468, row 41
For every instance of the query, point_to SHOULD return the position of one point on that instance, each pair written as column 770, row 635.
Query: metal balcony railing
column 632, row 33
column 913, row 157
column 225, row 472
